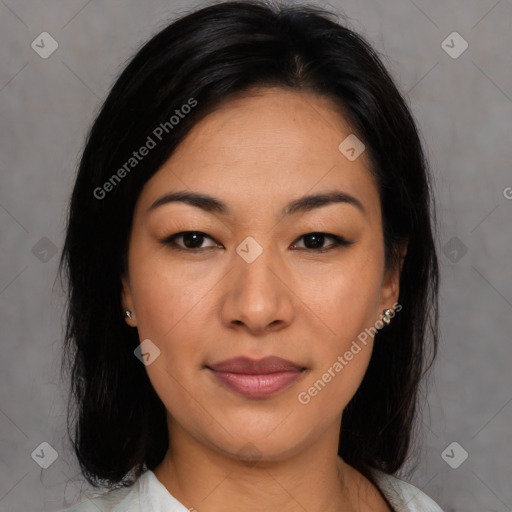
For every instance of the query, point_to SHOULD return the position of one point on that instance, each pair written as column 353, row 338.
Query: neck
column 209, row 480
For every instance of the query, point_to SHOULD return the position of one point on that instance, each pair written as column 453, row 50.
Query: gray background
column 463, row 106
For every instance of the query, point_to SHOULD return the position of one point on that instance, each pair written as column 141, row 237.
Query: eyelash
column 338, row 241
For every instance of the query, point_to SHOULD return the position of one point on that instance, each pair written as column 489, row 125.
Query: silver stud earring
column 128, row 314
column 386, row 318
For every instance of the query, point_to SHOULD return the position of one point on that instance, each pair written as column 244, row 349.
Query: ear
column 127, row 302
column 391, row 282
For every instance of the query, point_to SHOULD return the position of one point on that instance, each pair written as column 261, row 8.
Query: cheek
column 171, row 316
column 341, row 358
column 168, row 313
column 345, row 298
column 347, row 305
column 167, row 296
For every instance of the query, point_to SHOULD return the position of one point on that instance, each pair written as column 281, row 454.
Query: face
column 258, row 273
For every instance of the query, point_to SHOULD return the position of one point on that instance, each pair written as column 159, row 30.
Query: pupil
column 317, row 240
column 192, row 240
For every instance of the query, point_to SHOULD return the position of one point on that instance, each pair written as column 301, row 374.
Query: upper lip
column 248, row 366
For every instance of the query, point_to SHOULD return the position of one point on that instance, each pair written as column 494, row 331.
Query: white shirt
column 148, row 494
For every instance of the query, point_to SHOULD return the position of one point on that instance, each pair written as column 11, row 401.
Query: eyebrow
column 300, row 205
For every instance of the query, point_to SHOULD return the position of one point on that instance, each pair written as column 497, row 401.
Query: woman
column 252, row 272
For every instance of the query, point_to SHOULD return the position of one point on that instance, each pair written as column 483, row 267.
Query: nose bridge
column 257, row 296
column 256, row 265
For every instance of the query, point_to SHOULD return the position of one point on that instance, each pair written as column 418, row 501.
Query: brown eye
column 315, row 241
column 192, row 240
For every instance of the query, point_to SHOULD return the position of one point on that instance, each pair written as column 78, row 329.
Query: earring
column 386, row 318
column 128, row 314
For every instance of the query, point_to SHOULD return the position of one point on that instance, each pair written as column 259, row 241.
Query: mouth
column 256, row 378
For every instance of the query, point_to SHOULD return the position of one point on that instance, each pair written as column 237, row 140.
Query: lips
column 247, row 366
column 256, row 378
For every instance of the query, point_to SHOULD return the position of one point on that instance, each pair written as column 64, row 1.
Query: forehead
column 268, row 147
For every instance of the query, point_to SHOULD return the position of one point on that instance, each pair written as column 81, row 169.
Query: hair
column 209, row 56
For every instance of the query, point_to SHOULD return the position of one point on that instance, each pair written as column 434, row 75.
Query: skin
column 257, row 153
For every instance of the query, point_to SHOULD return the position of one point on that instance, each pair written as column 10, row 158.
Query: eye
column 316, row 241
column 190, row 239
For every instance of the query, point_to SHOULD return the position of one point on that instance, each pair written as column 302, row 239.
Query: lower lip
column 257, row 386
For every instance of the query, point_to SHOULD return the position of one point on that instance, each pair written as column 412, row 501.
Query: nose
column 258, row 296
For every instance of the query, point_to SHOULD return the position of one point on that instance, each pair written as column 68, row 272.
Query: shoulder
column 109, row 501
column 403, row 495
column 146, row 494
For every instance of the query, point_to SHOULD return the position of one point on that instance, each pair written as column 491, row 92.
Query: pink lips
column 256, row 378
